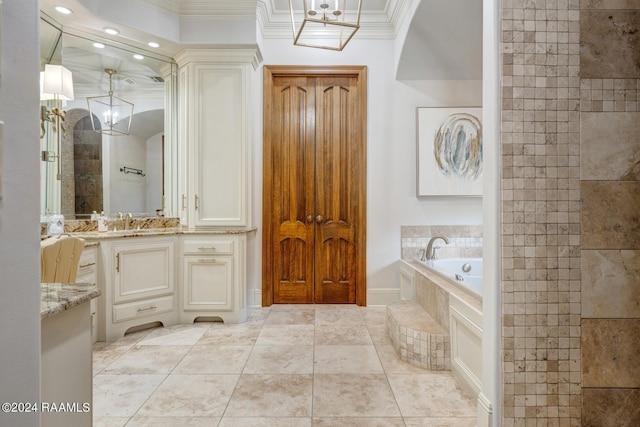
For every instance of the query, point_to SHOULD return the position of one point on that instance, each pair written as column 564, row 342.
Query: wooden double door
column 314, row 195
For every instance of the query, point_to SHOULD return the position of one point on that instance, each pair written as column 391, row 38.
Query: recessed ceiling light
column 153, row 44
column 64, row 10
column 138, row 56
column 98, row 45
column 111, row 31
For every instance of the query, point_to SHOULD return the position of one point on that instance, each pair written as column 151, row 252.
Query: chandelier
column 325, row 24
column 109, row 114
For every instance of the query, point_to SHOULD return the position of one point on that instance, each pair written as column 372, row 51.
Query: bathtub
column 455, row 304
column 453, row 269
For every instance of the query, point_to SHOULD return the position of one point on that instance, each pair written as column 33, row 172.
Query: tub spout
column 430, row 253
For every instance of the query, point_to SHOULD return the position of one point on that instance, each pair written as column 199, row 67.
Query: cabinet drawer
column 87, row 278
column 88, row 263
column 209, row 247
column 149, row 307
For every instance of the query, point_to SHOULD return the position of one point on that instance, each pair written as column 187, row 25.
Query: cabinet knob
column 319, row 219
column 310, row 218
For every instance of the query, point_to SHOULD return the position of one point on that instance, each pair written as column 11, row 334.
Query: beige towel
column 59, row 259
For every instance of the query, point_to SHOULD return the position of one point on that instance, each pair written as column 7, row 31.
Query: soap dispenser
column 102, row 222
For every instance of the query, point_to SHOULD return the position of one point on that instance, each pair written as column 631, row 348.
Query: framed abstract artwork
column 449, row 151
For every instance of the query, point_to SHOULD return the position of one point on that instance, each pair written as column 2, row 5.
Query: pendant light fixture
column 324, row 24
column 109, row 114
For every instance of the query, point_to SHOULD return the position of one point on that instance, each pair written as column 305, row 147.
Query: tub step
column 417, row 337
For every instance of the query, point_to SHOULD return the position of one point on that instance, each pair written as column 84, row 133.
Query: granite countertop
column 158, row 232
column 57, row 297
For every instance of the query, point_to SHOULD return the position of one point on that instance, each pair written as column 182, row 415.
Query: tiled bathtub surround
column 417, row 338
column 465, row 241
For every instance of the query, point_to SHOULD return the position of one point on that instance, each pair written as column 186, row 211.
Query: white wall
column 128, row 191
column 19, row 210
column 490, row 401
column 391, row 150
column 153, row 169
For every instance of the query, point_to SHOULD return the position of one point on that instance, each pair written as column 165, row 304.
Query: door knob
column 319, row 219
column 310, row 218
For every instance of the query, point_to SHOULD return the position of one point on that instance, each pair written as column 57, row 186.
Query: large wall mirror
column 84, row 171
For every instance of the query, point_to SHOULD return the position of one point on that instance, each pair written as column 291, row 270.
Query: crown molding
column 218, row 8
column 251, row 55
column 377, row 24
column 276, row 23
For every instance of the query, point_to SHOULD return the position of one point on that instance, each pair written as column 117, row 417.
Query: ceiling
column 443, row 40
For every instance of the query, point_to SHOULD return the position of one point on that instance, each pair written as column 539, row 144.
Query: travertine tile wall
column 82, row 190
column 571, row 212
column 540, row 183
column 610, row 188
column 465, row 241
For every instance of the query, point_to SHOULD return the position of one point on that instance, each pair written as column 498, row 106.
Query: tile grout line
column 253, row 346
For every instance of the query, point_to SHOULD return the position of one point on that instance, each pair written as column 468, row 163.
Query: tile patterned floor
column 288, row 366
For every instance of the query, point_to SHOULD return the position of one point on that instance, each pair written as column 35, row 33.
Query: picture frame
column 449, row 151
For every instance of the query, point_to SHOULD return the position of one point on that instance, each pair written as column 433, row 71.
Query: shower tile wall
column 82, row 173
column 610, row 187
column 540, row 190
column 570, row 212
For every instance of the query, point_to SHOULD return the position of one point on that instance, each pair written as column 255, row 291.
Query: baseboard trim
column 382, row 297
column 485, row 411
column 255, row 298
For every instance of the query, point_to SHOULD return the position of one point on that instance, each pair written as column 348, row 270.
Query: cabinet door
column 215, row 103
column 220, row 163
column 143, row 270
column 208, row 283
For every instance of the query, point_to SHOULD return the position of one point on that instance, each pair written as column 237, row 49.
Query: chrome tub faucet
column 430, row 253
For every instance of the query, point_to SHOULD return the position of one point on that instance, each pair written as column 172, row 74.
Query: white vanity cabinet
column 168, row 278
column 213, row 278
column 215, row 106
column 139, row 283
column 88, row 273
